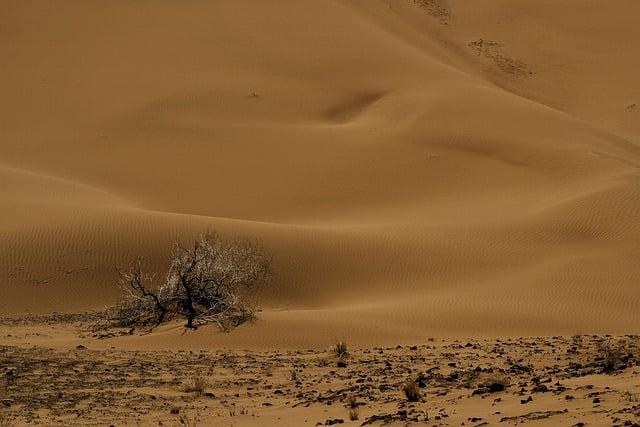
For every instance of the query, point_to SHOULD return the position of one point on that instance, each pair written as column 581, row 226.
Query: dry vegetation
column 441, row 382
column 209, row 282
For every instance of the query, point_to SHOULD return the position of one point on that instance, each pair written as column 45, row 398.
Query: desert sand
column 417, row 168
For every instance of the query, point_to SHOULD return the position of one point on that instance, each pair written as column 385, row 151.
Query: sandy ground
column 424, row 167
column 573, row 381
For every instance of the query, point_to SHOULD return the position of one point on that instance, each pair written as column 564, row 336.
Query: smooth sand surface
column 417, row 168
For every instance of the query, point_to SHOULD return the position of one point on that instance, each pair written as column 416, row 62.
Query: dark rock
column 496, row 387
column 525, row 401
column 480, row 390
column 540, row 388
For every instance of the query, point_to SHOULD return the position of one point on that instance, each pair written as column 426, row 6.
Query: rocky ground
column 580, row 380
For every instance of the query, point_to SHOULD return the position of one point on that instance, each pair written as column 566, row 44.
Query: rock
column 480, row 390
column 333, row 421
column 540, row 388
column 525, row 401
column 342, row 364
column 496, row 387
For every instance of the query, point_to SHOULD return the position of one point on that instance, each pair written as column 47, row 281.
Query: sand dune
column 415, row 167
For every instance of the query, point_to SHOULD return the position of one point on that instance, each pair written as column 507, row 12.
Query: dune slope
column 415, row 167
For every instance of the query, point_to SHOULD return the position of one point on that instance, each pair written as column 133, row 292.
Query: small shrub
column 412, row 391
column 354, row 414
column 615, row 358
column 340, row 350
column 187, row 421
column 495, row 383
column 352, row 401
column 197, row 385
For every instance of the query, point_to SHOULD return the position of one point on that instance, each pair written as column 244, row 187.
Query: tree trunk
column 188, row 305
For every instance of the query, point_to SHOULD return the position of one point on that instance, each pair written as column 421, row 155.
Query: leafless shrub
column 209, row 282
column 140, row 303
column 352, row 401
column 614, row 358
column 197, row 385
column 412, row 391
column 340, row 349
column 354, row 414
column 187, row 421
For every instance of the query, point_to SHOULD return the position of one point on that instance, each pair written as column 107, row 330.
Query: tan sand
column 417, row 168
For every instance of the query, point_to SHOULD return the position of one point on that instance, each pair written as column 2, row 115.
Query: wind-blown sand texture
column 414, row 166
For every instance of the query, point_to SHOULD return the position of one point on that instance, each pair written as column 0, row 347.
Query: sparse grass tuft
column 352, row 401
column 354, row 414
column 187, row 421
column 412, row 391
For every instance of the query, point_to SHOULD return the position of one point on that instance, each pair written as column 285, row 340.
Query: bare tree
column 209, row 282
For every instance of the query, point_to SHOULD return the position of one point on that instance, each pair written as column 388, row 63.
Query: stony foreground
column 580, row 380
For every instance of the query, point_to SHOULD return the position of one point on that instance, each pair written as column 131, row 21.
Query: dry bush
column 197, row 385
column 615, row 358
column 340, row 349
column 210, row 282
column 352, row 401
column 354, row 414
column 495, row 383
column 352, row 404
column 187, row 421
column 412, row 391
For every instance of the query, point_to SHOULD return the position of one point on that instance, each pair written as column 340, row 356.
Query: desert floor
column 454, row 169
column 572, row 381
